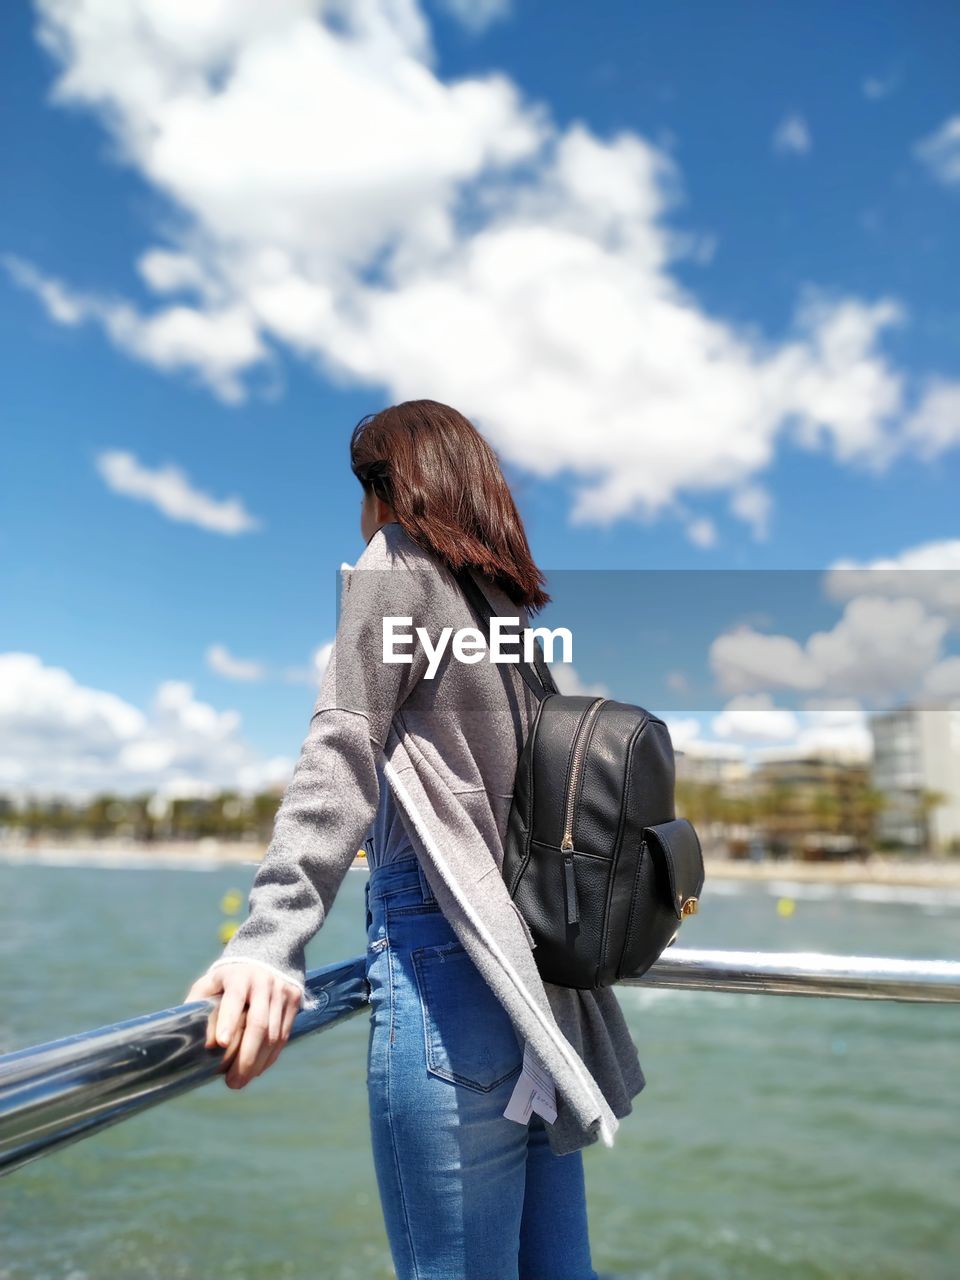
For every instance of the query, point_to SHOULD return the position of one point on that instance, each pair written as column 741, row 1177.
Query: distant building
column 712, row 763
column 712, row 778
column 813, row 803
column 916, row 765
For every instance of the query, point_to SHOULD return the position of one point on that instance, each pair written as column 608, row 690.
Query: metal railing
column 57, row 1093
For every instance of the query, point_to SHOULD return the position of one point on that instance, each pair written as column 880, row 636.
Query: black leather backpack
column 596, row 861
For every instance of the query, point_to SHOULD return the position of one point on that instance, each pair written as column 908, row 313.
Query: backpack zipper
column 579, row 748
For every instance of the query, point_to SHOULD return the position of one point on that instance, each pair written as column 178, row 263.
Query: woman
column 422, row 767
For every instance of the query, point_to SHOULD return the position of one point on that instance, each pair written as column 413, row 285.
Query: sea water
column 778, row 1137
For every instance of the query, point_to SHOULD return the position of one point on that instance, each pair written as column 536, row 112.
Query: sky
column 690, row 267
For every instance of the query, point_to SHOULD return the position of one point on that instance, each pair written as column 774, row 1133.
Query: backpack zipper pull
column 570, row 886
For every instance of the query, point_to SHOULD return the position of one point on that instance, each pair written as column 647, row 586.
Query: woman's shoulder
column 395, row 576
column 391, row 547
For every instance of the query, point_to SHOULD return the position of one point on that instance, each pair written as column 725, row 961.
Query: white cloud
column 753, row 504
column 746, row 660
column 168, row 272
column 879, row 647
column 940, row 152
column 62, row 737
column 753, row 717
column 216, row 344
column 710, row 749
column 837, row 727
column 876, row 87
column 477, row 15
column 927, row 575
column 928, row 572
column 752, row 728
column 684, row 731
column 44, row 705
column 835, row 389
column 319, row 661
column 570, row 681
column 792, row 135
column 220, row 659
column 61, row 303
column 702, row 532
column 943, row 680
column 405, row 232
column 934, row 425
column 170, row 491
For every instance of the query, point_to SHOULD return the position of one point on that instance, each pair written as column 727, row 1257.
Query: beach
column 878, row 869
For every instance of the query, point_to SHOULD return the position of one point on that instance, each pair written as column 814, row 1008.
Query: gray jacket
column 448, row 748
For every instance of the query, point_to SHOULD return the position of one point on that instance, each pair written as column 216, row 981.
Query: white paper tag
column 534, row 1091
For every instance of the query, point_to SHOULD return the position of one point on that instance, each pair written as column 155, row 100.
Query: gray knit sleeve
column 333, row 795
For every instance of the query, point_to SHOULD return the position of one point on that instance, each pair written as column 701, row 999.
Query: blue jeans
column 466, row 1193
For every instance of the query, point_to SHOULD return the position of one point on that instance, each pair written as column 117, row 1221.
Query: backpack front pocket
column 468, row 1036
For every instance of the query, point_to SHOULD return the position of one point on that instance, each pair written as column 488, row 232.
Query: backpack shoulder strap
column 538, row 677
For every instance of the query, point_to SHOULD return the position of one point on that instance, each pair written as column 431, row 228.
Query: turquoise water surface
column 778, row 1137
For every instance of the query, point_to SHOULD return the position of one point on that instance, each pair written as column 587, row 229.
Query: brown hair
column 449, row 495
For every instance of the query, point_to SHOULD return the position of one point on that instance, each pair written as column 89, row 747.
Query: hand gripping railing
column 56, row 1093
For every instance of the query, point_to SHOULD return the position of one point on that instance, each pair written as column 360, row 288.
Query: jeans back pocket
column 468, row 1035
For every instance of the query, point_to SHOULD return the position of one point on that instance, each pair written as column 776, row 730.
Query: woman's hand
column 252, row 1020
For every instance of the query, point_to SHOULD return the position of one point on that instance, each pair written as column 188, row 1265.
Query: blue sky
column 731, row 229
